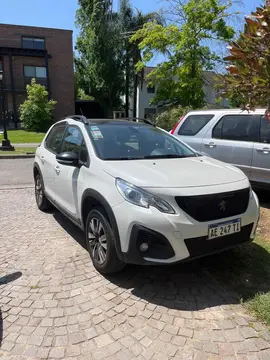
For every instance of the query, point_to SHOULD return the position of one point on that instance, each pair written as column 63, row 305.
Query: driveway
column 55, row 305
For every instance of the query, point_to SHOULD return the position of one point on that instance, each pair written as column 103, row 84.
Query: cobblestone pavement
column 54, row 305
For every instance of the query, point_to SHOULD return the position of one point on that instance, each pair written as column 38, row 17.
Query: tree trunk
column 127, row 82
column 135, row 94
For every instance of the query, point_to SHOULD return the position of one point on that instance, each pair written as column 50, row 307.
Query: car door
column 232, row 140
column 260, row 172
column 193, row 128
column 66, row 177
column 52, row 145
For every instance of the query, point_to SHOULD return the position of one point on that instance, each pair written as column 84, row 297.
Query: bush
column 36, row 111
column 169, row 118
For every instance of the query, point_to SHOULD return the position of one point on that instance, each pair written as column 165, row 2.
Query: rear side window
column 194, row 123
column 54, row 139
column 265, row 130
column 237, row 127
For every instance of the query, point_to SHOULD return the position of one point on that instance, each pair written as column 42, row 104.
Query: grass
column 22, row 136
column 18, row 151
column 246, row 271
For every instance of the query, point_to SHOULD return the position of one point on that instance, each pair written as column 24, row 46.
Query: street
column 16, row 172
column 53, row 304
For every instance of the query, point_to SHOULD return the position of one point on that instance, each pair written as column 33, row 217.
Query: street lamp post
column 6, row 146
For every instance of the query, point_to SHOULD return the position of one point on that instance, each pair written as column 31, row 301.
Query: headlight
column 139, row 197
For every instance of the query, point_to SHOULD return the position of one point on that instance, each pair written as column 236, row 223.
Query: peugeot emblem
column 222, row 205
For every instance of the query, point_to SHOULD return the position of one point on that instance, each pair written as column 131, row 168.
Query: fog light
column 144, row 247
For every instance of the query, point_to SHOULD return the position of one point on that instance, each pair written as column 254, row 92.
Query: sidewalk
column 26, row 145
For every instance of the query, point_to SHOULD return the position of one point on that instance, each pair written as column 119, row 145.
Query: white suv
column 141, row 195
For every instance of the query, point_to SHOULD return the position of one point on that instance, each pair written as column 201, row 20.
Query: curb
column 18, row 156
column 16, row 187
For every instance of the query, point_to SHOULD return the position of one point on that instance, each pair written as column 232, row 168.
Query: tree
column 185, row 44
column 248, row 75
column 100, row 57
column 130, row 22
column 36, row 111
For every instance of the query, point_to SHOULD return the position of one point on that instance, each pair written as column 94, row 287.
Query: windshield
column 130, row 141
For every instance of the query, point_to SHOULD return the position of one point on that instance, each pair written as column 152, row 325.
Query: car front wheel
column 100, row 241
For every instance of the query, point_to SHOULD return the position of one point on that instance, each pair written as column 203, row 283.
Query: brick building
column 28, row 52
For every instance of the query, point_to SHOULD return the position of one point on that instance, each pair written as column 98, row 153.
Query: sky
column 61, row 13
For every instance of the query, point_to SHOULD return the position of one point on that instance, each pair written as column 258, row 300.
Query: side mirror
column 68, row 158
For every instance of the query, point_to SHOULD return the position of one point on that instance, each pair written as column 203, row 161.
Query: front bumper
column 180, row 237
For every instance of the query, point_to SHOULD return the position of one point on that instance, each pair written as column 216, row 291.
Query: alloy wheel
column 97, row 240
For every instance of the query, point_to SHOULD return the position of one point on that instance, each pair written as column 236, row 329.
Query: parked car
column 237, row 137
column 141, row 195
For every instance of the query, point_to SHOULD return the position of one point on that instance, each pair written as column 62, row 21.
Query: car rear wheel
column 42, row 202
column 100, row 241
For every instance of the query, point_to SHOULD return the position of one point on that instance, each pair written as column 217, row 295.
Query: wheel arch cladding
column 36, row 169
column 92, row 199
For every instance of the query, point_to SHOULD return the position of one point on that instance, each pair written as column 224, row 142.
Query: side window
column 265, row 130
column 194, row 123
column 236, row 127
column 72, row 140
column 54, row 139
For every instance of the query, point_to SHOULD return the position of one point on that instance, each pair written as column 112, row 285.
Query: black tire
column 102, row 241
column 42, row 202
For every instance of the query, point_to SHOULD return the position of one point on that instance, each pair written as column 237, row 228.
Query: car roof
column 71, row 120
column 227, row 111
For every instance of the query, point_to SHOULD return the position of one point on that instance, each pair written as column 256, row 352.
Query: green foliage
column 36, row 111
column 249, row 70
column 167, row 119
column 179, row 78
column 81, row 95
column 100, row 62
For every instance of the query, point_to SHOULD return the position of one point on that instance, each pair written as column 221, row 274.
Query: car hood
column 174, row 173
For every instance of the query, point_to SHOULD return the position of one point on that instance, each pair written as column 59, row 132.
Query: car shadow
column 216, row 280
column 264, row 197
column 5, row 280
column 69, row 227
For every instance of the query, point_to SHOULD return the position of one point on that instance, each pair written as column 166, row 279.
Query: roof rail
column 146, row 121
column 80, row 118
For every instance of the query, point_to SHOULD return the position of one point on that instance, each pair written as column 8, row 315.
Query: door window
column 265, row 131
column 237, row 127
column 74, row 142
column 54, row 139
column 194, row 123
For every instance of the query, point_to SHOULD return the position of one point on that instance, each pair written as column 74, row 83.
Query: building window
column 35, row 72
column 151, row 89
column 149, row 113
column 33, row 43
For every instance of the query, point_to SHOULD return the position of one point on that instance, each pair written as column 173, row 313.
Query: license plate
column 223, row 229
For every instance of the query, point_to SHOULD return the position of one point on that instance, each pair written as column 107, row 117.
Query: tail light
column 176, row 125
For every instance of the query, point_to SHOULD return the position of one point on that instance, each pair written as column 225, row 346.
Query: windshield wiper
column 124, row 158
column 167, row 156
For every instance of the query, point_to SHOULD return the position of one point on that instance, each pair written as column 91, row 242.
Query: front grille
column 215, row 206
column 201, row 246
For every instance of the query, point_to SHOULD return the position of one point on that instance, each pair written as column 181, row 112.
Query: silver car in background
column 237, row 137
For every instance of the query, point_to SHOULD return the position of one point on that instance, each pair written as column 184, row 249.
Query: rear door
column 232, row 140
column 47, row 159
column 193, row 128
column 260, row 172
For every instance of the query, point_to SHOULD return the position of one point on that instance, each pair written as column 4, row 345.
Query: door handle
column 265, row 150
column 57, row 169
column 210, row 145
